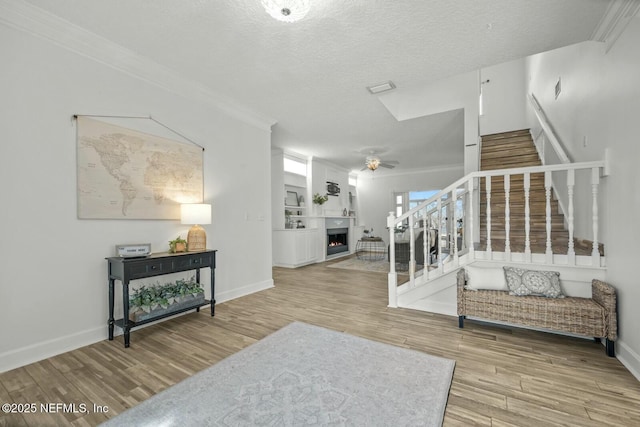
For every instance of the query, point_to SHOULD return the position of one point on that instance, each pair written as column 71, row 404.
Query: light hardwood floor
column 503, row 376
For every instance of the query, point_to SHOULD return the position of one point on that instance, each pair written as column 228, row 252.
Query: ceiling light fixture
column 381, row 87
column 286, row 10
column 373, row 163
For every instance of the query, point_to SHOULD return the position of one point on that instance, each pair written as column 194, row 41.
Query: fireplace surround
column 337, row 240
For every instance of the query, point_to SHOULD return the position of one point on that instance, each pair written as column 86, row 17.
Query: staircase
column 516, row 150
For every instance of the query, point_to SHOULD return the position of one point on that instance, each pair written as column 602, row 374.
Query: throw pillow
column 488, row 278
column 533, row 282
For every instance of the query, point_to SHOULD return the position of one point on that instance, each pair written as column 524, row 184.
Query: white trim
column 35, row 352
column 328, row 164
column 30, row 19
column 447, row 309
column 42, row 350
column 547, row 129
column 368, row 174
column 629, row 358
column 243, row 291
column 618, row 15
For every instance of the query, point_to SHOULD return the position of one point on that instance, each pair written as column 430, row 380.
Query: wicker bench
column 591, row 317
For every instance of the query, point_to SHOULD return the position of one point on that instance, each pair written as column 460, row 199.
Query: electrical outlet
column 584, row 141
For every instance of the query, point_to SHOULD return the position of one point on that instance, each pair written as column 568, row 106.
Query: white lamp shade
column 195, row 213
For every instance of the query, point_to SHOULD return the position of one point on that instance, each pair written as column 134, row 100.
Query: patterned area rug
column 375, row 266
column 306, row 375
column 354, row 263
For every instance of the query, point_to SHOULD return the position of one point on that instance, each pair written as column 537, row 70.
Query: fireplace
column 337, row 240
column 337, row 235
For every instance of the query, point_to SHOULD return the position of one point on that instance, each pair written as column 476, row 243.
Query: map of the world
column 126, row 174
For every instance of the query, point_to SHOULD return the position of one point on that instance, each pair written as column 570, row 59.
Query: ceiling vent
column 381, row 87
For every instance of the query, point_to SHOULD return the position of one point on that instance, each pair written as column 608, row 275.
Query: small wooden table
column 127, row 269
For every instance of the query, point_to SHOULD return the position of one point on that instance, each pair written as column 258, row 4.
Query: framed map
column 126, row 174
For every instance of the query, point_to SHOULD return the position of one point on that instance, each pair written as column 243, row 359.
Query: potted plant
column 319, row 200
column 150, row 302
column 177, row 245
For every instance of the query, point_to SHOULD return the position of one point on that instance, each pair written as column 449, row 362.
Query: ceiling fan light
column 286, row 10
column 373, row 163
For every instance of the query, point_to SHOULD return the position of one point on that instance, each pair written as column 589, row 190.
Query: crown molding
column 414, row 171
column 618, row 15
column 37, row 22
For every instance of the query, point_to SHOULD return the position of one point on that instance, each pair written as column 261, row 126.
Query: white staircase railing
column 547, row 134
column 449, row 218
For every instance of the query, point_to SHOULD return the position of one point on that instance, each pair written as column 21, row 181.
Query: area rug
column 354, row 263
column 306, row 375
column 381, row 266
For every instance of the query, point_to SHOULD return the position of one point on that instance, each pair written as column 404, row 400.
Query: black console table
column 127, row 269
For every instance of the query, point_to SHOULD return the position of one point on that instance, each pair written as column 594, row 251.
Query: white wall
column 600, row 100
column 277, row 189
column 375, row 193
column 503, row 97
column 53, row 287
column 453, row 93
column 321, row 172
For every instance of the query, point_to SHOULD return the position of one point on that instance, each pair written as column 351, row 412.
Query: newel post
column 392, row 280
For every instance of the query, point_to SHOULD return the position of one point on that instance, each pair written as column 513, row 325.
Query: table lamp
column 196, row 214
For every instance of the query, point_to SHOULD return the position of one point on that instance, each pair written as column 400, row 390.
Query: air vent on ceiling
column 381, row 87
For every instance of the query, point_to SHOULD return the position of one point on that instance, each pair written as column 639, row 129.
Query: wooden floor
column 503, row 377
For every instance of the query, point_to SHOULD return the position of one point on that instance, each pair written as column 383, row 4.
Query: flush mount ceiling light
column 381, row 87
column 286, row 10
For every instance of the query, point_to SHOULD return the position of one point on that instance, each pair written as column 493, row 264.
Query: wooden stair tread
column 503, row 135
column 516, row 149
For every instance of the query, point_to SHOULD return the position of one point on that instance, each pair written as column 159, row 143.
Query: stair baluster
column 392, row 278
column 488, row 192
column 454, row 226
column 571, row 180
column 527, row 218
column 595, row 181
column 439, row 232
column 412, row 252
column 507, row 220
column 470, row 239
column 547, row 187
column 425, row 245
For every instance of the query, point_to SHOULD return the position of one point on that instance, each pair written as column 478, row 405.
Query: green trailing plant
column 319, row 199
column 151, row 297
column 177, row 245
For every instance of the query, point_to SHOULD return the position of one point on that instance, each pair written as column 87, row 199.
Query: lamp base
column 196, row 239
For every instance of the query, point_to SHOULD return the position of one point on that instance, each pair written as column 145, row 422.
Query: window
column 294, row 165
column 417, row 197
column 353, row 180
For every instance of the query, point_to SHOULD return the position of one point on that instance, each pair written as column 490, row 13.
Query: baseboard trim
column 629, row 358
column 244, row 290
column 35, row 352
column 433, row 307
column 43, row 350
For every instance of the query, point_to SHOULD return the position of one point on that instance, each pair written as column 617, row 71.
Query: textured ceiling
column 310, row 76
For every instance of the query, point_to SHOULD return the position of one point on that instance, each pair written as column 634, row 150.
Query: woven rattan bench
column 590, row 317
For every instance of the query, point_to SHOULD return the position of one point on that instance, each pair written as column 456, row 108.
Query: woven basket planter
column 180, row 303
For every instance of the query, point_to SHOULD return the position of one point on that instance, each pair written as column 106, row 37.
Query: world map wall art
column 126, row 174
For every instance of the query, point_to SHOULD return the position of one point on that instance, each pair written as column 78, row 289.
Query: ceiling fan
column 373, row 162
